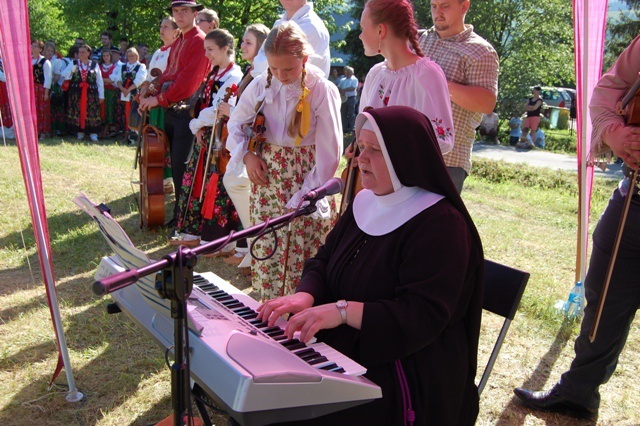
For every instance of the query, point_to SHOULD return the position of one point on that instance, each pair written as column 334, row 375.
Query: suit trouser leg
column 177, row 127
column 595, row 362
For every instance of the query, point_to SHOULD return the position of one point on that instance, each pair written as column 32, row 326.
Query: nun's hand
column 312, row 320
column 272, row 309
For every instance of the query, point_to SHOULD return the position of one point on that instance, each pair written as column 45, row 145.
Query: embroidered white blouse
column 158, row 60
column 116, row 76
column 325, row 130
column 77, row 66
column 208, row 115
column 422, row 86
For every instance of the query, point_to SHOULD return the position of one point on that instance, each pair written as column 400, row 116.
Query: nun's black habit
column 421, row 288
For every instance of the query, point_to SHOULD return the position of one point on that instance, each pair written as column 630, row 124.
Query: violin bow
column 631, row 120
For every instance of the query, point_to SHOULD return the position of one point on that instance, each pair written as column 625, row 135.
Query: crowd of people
column 86, row 93
column 396, row 281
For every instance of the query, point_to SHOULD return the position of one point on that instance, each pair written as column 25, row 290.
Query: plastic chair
column 503, row 288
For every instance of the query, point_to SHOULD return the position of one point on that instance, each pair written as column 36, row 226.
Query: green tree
column 622, row 28
column 138, row 20
column 534, row 41
column 47, row 22
column 353, row 46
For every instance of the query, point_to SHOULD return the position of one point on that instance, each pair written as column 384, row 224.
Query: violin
column 222, row 133
column 217, row 150
column 352, row 179
column 256, row 133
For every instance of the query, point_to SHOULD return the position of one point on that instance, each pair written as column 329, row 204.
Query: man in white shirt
column 347, row 87
column 301, row 12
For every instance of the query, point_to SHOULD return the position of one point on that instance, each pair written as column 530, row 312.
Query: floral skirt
column 280, row 274
column 43, row 109
column 5, row 109
column 92, row 123
column 58, row 109
column 223, row 217
column 110, row 106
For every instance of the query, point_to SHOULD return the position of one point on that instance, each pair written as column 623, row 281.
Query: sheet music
column 130, row 257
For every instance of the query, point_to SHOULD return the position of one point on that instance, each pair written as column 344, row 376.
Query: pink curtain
column 16, row 47
column 590, row 20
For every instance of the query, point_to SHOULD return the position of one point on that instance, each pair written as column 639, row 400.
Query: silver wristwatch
column 342, row 307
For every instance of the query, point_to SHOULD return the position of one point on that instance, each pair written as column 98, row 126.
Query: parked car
column 556, row 96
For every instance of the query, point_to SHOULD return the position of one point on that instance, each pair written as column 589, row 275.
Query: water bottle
column 574, row 305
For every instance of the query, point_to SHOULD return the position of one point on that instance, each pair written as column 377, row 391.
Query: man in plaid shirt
column 470, row 64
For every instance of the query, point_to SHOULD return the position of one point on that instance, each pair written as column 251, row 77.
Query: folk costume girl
column 302, row 151
column 238, row 187
column 42, row 77
column 127, row 78
column 405, row 77
column 85, row 94
column 215, row 216
column 57, row 96
column 108, row 112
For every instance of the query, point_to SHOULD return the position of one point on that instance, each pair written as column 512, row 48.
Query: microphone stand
column 175, row 284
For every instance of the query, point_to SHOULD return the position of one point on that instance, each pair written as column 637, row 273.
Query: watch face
column 341, row 304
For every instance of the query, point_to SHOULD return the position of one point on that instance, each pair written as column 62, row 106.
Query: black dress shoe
column 552, row 401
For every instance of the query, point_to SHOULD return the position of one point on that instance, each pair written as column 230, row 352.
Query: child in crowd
column 540, row 139
column 515, row 124
column 525, row 140
column 303, row 134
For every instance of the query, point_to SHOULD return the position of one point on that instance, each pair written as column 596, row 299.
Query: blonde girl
column 302, row 151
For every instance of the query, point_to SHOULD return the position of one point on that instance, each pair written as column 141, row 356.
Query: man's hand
column 147, row 103
column 625, row 143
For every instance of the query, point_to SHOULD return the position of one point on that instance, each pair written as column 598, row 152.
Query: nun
column 397, row 286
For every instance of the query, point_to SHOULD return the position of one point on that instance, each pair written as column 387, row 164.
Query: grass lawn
column 528, row 223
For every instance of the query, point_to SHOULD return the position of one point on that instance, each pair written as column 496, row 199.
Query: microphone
column 332, row 186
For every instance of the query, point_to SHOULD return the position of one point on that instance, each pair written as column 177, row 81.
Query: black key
column 218, row 293
column 339, row 370
column 249, row 315
column 318, row 360
column 290, row 342
column 244, row 310
column 259, row 324
column 329, row 366
column 305, row 352
column 271, row 330
column 223, row 298
column 311, row 357
column 278, row 338
column 295, row 346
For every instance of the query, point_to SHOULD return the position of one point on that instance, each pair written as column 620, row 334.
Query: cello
column 151, row 164
column 150, row 159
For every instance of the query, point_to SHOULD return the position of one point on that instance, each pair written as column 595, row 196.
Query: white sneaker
column 80, row 136
column 94, row 137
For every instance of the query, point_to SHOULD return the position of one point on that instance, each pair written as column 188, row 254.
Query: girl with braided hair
column 302, row 151
column 405, row 77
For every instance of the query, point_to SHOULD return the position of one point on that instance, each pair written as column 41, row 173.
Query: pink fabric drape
column 15, row 45
column 590, row 19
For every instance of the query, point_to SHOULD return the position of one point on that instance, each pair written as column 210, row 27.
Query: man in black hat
column 186, row 68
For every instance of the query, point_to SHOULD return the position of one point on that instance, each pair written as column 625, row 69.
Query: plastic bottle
column 574, row 305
